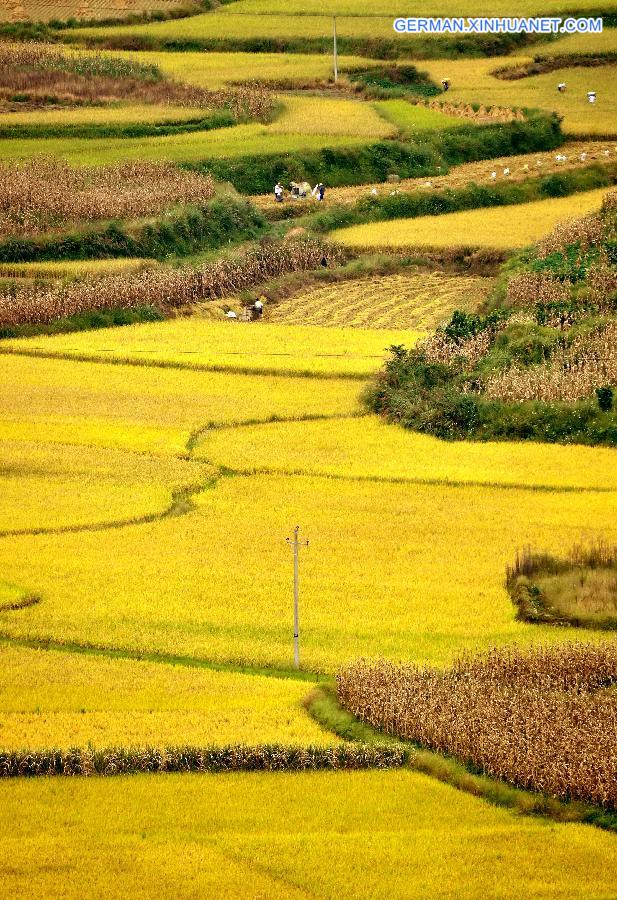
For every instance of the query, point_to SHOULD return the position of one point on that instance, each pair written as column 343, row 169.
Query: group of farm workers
column 299, row 191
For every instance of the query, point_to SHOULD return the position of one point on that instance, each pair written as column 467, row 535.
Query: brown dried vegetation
column 541, row 719
column 164, row 288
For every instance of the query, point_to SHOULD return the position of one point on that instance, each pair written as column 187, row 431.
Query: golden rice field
column 326, row 115
column 472, row 81
column 45, row 486
column 184, row 147
column 62, row 700
column 72, row 268
column 408, row 571
column 149, row 410
column 113, row 114
column 416, row 302
column 233, row 346
column 527, row 165
column 499, row 227
column 371, row 449
column 217, row 70
column 289, row 837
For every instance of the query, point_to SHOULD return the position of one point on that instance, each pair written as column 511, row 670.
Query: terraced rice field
column 72, row 268
column 216, row 70
column 325, row 115
column 52, row 698
column 417, row 302
column 495, row 228
column 276, row 831
column 472, row 81
column 227, row 346
column 118, row 114
column 578, row 154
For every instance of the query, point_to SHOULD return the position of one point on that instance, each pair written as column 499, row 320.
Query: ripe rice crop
column 147, row 410
column 64, row 700
column 118, row 113
column 327, row 115
column 72, row 268
column 394, row 301
column 543, row 719
column 497, row 227
column 219, row 70
column 389, row 8
column 48, row 486
column 195, row 146
column 473, row 81
column 39, row 194
column 421, row 580
column 219, row 346
column 401, row 834
column 369, row 448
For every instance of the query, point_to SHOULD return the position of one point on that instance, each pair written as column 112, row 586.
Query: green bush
column 220, row 222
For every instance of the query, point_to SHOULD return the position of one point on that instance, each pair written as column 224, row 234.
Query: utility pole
column 335, row 51
column 296, row 543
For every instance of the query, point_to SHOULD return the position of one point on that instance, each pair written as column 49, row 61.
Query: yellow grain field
column 415, row 302
column 369, row 448
column 384, row 835
column 148, row 409
column 234, row 346
column 327, row 115
column 50, row 699
column 48, row 487
column 501, row 227
column 411, row 571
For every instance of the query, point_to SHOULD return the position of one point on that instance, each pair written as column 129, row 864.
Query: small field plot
column 415, row 8
column 368, row 448
column 147, row 409
column 234, row 346
column 116, row 114
column 409, row 118
column 72, row 268
column 325, row 115
column 394, row 301
column 505, row 227
column 592, row 44
column 400, row 833
column 195, row 146
column 227, row 23
column 62, row 700
column 217, row 70
column 472, row 81
column 48, row 487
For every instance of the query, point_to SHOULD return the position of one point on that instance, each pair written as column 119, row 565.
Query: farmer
column 591, row 96
column 561, row 87
column 278, row 192
column 304, row 189
column 294, row 190
column 319, row 190
column 258, row 309
column 445, row 83
column 230, row 314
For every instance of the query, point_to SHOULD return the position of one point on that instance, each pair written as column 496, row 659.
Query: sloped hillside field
column 308, row 419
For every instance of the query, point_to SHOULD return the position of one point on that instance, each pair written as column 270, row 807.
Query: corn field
column 39, row 194
column 121, row 761
column 164, row 288
column 573, row 372
column 540, row 719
